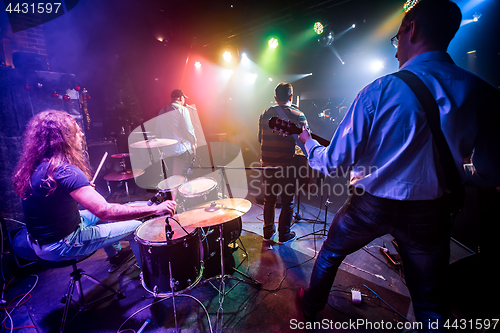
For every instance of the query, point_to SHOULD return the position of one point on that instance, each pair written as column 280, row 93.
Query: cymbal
column 123, row 175
column 122, row 155
column 214, row 212
column 153, row 143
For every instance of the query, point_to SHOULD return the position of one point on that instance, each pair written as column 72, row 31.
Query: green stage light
column 318, row 28
column 273, row 43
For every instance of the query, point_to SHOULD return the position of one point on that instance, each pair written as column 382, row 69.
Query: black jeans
column 278, row 183
column 422, row 230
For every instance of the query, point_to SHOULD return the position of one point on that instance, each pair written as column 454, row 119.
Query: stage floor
column 280, row 271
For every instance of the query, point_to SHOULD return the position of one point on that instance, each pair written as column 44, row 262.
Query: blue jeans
column 88, row 238
column 422, row 230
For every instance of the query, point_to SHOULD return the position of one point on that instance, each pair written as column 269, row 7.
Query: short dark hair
column 283, row 91
column 439, row 20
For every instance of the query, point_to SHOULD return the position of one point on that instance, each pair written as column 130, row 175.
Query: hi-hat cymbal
column 122, row 155
column 215, row 212
column 153, row 143
column 118, row 176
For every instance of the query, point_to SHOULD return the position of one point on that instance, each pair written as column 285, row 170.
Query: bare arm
column 89, row 198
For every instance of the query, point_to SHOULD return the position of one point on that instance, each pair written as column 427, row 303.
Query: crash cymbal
column 123, row 175
column 214, row 212
column 122, row 155
column 153, row 143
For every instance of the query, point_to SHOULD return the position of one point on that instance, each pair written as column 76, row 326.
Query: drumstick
column 99, row 167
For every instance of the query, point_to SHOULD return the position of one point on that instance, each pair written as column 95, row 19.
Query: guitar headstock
column 284, row 127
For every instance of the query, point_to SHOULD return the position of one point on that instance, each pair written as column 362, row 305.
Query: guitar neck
column 321, row 141
column 286, row 127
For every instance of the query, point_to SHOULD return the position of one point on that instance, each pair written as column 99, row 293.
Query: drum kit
column 172, row 250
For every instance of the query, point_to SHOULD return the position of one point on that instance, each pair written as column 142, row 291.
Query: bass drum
column 211, row 247
column 181, row 255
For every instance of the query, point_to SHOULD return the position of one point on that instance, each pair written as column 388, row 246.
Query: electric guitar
column 286, row 127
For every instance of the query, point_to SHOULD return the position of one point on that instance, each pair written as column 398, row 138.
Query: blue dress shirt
column 384, row 139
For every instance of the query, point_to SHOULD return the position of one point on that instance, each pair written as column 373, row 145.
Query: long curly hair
column 51, row 136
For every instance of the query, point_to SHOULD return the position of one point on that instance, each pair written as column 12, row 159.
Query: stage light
column 250, row 78
column 377, row 65
column 326, row 40
column 270, row 79
column 477, row 16
column 273, row 43
column 227, row 56
column 353, row 26
column 318, row 28
column 409, row 5
column 470, row 52
column 197, row 64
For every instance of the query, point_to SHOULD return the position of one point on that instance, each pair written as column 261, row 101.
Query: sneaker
column 290, row 237
column 119, row 259
column 300, row 306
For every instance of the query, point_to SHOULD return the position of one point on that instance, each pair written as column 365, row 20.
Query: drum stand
column 223, row 276
column 172, row 284
column 163, row 165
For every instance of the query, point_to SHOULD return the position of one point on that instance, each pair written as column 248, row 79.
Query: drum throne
column 25, row 257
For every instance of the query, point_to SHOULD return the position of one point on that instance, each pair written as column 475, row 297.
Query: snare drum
column 198, row 191
column 171, row 183
column 183, row 252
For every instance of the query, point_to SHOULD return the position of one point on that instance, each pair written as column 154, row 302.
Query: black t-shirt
column 50, row 218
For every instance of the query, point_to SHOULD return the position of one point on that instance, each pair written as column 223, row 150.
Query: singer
column 174, row 122
column 52, row 178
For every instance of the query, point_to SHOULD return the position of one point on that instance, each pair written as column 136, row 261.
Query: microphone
column 154, row 200
column 169, row 233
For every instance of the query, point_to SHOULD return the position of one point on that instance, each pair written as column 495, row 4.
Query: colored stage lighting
column 318, row 28
column 227, row 56
column 197, row 64
column 409, row 5
column 326, row 40
column 273, row 43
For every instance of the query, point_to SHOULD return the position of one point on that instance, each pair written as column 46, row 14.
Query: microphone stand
column 323, row 231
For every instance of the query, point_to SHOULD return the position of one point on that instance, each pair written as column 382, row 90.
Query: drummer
column 52, row 178
column 174, row 122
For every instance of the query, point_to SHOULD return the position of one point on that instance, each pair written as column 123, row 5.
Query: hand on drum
column 166, row 208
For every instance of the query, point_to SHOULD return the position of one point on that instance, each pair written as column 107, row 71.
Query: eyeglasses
column 395, row 39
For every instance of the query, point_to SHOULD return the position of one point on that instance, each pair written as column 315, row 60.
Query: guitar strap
column 282, row 114
column 431, row 110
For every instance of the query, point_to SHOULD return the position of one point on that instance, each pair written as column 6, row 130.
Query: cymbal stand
column 172, row 284
column 222, row 171
column 163, row 165
column 222, row 277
